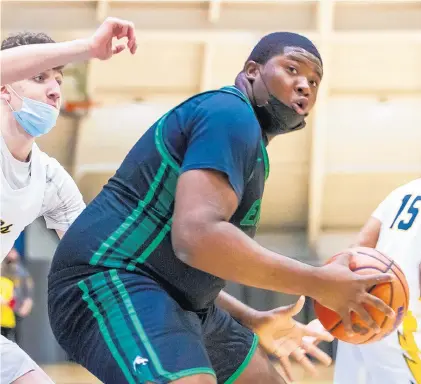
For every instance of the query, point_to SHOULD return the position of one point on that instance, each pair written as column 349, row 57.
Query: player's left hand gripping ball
column 101, row 43
column 280, row 335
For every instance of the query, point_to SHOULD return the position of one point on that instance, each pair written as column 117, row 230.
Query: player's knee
column 260, row 371
column 196, row 379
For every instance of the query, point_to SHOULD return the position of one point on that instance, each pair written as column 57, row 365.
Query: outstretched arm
column 22, row 62
column 25, row 61
column 204, row 238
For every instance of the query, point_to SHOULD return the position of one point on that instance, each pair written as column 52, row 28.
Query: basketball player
column 394, row 229
column 135, row 285
column 32, row 183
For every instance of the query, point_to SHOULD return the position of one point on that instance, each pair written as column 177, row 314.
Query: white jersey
column 28, row 190
column 400, row 236
column 397, row 358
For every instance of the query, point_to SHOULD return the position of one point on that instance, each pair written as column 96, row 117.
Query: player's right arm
column 25, row 61
column 208, row 193
column 370, row 232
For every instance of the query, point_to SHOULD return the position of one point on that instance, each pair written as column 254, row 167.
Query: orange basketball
column 395, row 294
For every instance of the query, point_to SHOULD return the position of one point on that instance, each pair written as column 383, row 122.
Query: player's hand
column 347, row 291
column 308, row 346
column 280, row 335
column 101, row 42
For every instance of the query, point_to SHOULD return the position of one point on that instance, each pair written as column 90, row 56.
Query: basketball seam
column 374, row 257
column 390, row 266
column 371, row 289
column 335, row 326
column 385, row 317
column 402, row 284
column 400, row 270
column 392, row 263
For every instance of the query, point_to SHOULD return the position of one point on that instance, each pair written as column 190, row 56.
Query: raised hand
column 101, row 42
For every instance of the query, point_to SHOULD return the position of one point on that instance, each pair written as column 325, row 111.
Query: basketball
column 395, row 294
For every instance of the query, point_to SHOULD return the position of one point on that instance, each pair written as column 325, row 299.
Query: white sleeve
column 63, row 201
column 383, row 211
column 380, row 211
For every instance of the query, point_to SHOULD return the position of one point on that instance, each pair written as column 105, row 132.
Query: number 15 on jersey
column 407, row 212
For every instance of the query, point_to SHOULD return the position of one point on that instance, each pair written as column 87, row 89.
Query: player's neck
column 243, row 85
column 17, row 140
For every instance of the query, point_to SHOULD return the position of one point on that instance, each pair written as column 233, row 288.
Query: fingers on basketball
column 385, row 297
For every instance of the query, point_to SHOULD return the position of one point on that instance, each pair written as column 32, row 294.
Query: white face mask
column 35, row 117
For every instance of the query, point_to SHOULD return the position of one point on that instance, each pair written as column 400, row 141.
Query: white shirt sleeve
column 383, row 211
column 63, row 201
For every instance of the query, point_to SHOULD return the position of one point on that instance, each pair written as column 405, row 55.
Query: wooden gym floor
column 75, row 374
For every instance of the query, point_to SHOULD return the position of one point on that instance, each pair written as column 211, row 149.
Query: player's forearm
column 238, row 310
column 223, row 250
column 369, row 234
column 25, row 61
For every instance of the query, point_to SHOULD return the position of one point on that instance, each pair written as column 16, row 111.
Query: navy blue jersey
column 128, row 225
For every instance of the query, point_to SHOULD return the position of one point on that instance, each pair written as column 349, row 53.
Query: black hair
column 274, row 44
column 25, row 38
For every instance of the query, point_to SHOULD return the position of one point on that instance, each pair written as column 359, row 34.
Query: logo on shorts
column 139, row 361
column 142, row 371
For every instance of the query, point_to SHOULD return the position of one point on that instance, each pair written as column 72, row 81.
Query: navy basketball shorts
column 125, row 328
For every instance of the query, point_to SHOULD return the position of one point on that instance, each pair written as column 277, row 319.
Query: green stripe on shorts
column 246, row 361
column 124, row 297
column 105, row 333
column 120, row 325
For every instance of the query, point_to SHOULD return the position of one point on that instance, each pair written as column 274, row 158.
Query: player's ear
column 251, row 70
column 5, row 94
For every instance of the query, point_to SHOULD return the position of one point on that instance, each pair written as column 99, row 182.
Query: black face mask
column 275, row 117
